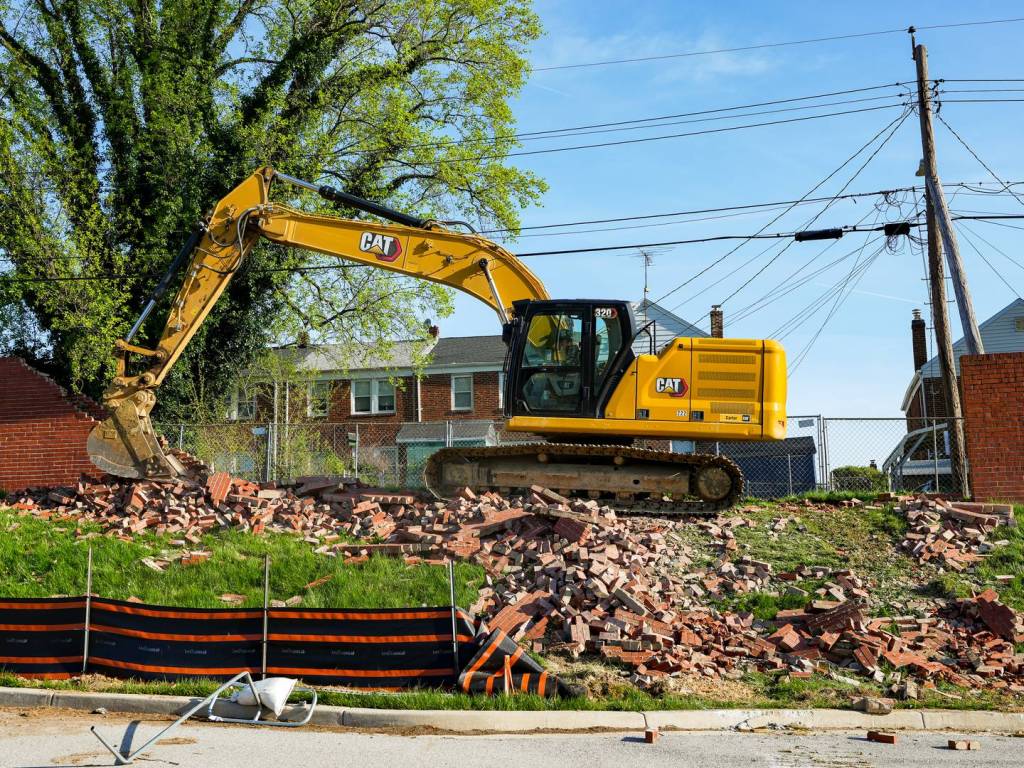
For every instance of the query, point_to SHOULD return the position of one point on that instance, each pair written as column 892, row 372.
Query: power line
column 980, row 101
column 657, row 122
column 781, row 288
column 811, row 191
column 828, row 205
column 981, row 80
column 746, row 206
column 839, row 301
column 523, row 135
column 810, row 309
column 761, row 46
column 846, row 229
column 622, row 142
column 997, row 273
column 976, row 157
column 995, row 248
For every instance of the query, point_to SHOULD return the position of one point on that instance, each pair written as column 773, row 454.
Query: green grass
column 1006, row 560
column 827, row 497
column 41, row 559
column 763, row 692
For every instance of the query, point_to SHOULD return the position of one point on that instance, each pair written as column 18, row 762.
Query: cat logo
column 384, row 247
column 670, row 387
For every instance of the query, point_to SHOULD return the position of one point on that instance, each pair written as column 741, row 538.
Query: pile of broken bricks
column 952, row 534
column 569, row 576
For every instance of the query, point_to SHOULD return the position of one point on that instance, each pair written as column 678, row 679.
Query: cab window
column 607, row 342
column 553, row 363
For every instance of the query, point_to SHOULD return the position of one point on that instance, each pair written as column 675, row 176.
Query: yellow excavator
column 571, row 375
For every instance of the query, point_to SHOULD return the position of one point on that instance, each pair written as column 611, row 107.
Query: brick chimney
column 717, row 321
column 918, row 334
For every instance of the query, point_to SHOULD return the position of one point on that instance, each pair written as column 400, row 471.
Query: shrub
column 853, row 478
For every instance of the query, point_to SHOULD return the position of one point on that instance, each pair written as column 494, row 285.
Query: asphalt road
column 59, row 737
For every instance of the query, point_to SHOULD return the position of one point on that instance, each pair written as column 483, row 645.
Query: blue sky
column 861, row 361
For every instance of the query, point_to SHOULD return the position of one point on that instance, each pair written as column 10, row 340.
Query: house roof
column 468, row 350
column 337, row 357
column 455, row 352
column 1003, row 332
column 667, row 326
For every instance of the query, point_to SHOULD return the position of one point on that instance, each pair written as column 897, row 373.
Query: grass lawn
column 41, row 559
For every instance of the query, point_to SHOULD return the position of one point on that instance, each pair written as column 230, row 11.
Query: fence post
column 355, row 452
column 455, row 628
column 789, row 467
column 266, row 612
column 821, row 454
column 266, row 462
column 88, row 611
column 181, row 437
column 827, row 477
column 935, row 455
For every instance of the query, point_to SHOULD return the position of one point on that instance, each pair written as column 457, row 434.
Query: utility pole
column 940, row 313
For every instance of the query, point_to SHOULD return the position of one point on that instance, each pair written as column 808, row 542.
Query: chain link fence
column 819, row 453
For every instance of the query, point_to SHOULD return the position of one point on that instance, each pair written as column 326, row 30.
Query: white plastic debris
column 273, row 693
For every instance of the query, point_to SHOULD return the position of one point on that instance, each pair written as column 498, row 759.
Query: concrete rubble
column 569, row 576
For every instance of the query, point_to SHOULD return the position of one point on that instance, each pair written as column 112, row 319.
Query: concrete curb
column 474, row 721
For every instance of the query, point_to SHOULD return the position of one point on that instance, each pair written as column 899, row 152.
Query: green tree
column 124, row 120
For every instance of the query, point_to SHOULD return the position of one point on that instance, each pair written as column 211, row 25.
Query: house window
column 243, row 405
column 1018, row 324
column 373, row 396
column 318, row 399
column 501, row 390
column 462, row 393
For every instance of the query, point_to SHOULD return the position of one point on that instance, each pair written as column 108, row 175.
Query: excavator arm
column 126, row 443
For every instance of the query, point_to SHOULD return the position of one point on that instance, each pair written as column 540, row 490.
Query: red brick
column 43, row 429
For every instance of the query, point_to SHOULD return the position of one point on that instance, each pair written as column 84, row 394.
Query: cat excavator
column 572, row 383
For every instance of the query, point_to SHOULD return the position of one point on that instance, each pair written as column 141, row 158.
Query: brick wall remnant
column 43, row 429
column 993, row 400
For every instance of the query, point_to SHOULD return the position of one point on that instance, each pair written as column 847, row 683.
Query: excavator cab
column 565, row 357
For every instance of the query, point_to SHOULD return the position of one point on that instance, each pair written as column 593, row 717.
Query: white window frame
column 313, row 397
column 501, row 390
column 462, row 376
column 243, row 404
column 375, row 385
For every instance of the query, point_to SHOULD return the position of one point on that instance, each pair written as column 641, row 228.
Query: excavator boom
column 126, row 443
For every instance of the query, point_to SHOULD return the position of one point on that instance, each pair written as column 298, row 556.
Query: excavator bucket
column 126, row 445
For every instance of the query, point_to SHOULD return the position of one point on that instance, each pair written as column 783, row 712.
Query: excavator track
column 631, row 480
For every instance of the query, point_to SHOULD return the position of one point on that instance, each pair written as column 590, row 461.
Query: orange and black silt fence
column 42, row 637
column 369, row 648
column 502, row 666
column 152, row 642
column 387, row 648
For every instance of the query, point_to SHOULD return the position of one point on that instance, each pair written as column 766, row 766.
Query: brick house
column 460, row 378
column 387, row 413
column 921, row 459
